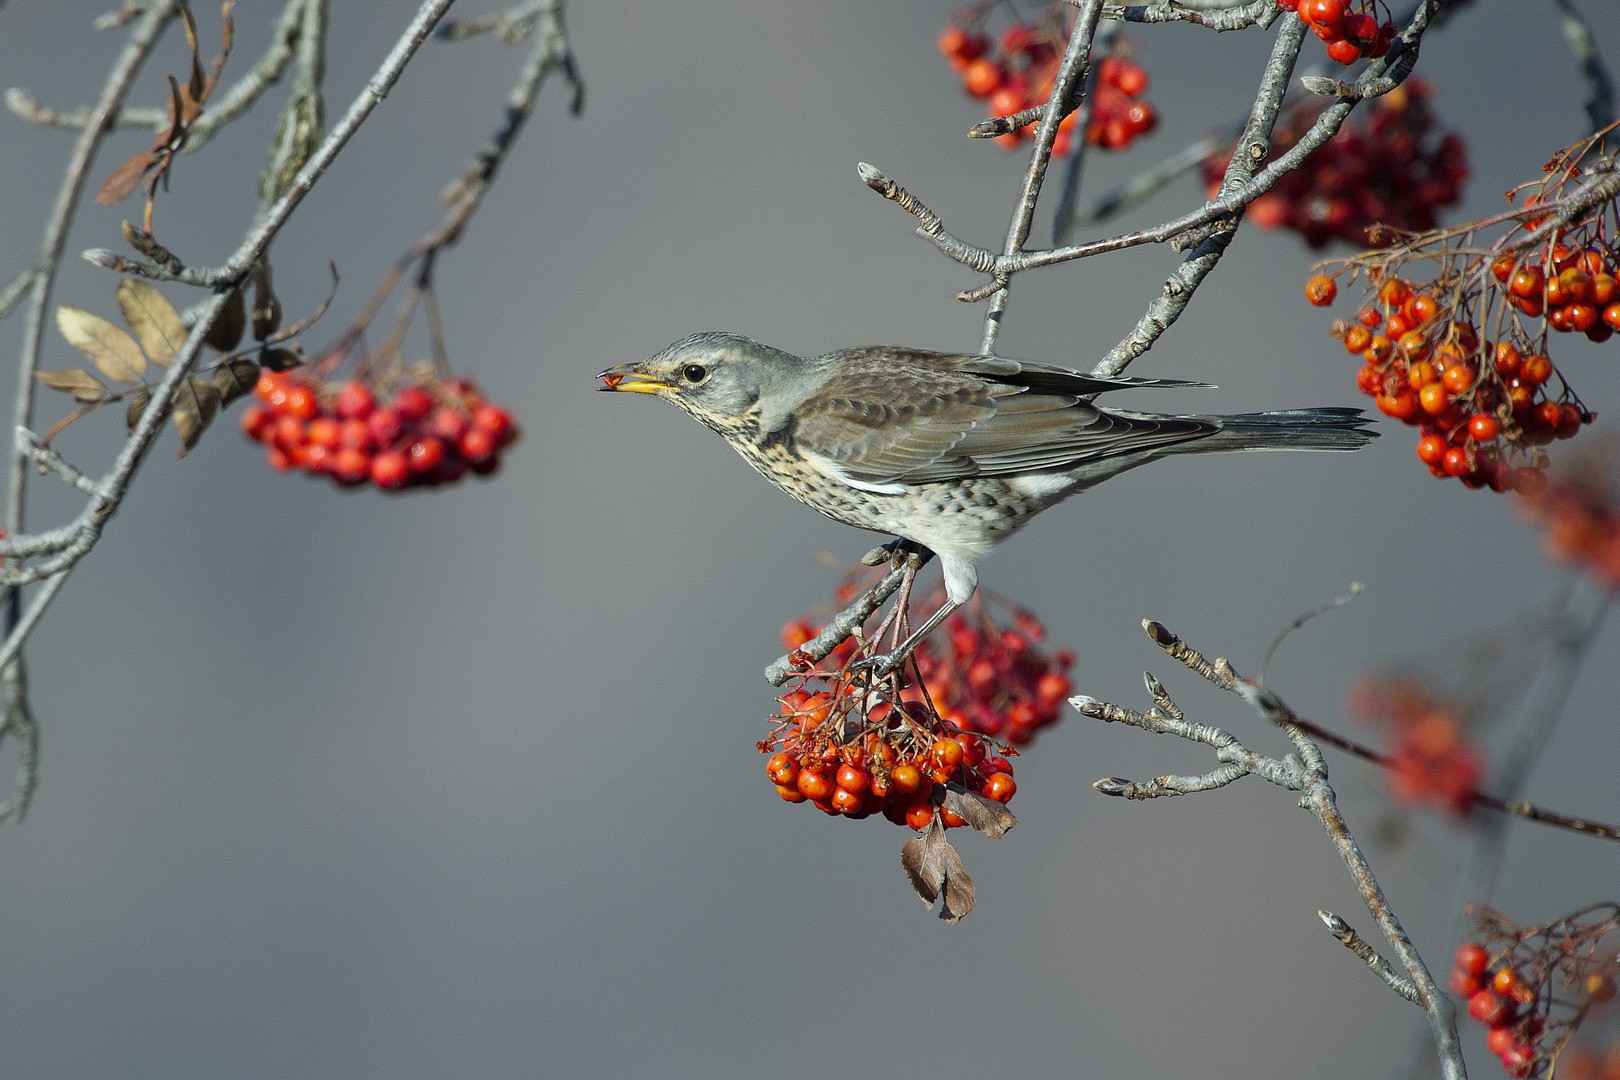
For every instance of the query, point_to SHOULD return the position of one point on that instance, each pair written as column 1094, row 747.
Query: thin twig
column 1358, row 945
column 23, row 104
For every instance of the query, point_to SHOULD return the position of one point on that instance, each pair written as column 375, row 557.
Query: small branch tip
column 1087, row 706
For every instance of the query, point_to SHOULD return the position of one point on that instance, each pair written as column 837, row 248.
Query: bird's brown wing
column 893, row 417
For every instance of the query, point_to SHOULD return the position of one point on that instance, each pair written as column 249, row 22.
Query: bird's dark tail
column 1293, row 429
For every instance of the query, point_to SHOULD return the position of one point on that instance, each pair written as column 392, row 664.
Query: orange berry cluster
column 1350, row 35
column 885, row 760
column 1576, row 292
column 995, row 680
column 1590, row 1063
column 1387, row 170
column 1433, row 763
column 1577, row 510
column 1018, row 73
column 1475, row 403
column 430, row 431
column 1510, row 999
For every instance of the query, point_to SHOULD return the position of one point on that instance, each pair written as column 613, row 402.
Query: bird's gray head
column 720, row 379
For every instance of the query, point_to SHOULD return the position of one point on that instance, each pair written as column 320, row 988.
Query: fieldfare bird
column 955, row 453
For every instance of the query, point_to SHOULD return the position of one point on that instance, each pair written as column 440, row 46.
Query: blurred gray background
column 463, row 784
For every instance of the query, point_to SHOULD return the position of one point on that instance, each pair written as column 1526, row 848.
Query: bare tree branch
column 1303, row 771
column 1236, row 17
column 1380, row 967
column 23, row 104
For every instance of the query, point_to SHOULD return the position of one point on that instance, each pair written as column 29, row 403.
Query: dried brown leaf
column 153, row 319
column 266, row 305
column 281, row 359
column 935, row 870
column 986, row 815
column 112, row 350
column 226, row 332
column 76, row 381
column 195, row 406
column 234, row 379
column 199, row 82
column 126, row 178
column 136, row 409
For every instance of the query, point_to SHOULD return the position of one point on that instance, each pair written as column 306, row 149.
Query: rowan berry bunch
column 1431, row 760
column 1532, row 987
column 1391, row 169
column 1465, row 354
column 1351, row 33
column 1580, row 515
column 415, row 429
column 911, row 743
column 1016, row 72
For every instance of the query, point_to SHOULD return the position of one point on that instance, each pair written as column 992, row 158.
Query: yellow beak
column 625, row 378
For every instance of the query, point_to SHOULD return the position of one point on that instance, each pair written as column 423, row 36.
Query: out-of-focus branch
column 1147, row 183
column 1578, row 626
column 1303, row 771
column 1599, row 85
column 13, row 290
column 23, row 104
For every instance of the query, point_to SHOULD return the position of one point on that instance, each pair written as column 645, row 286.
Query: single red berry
column 846, row 801
column 952, row 41
column 1536, row 370
column 1456, row 462
column 1490, row 1008
column 390, row 469
column 495, row 420
column 279, row 459
column 1434, row 399
column 1344, row 51
column 1483, row 427
column 425, row 454
column 300, row 402
column 920, row 815
column 257, row 422
column 351, row 466
column 790, row 793
column 1463, row 984
column 1320, row 290
column 355, row 434
column 323, row 431
column 448, row 423
column 980, row 78
column 1500, row 1038
column 814, row 783
column 906, row 778
column 1505, row 981
column 853, row 778
column 355, row 401
column 1519, row 1060
column 782, row 770
column 1457, row 378
column 412, row 403
column 972, row 748
column 385, row 426
column 1431, row 449
column 1000, row 787
column 477, row 446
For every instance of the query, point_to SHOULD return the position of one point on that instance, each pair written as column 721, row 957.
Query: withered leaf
column 986, row 815
column 153, row 319
column 266, row 305
column 194, row 88
column 280, row 359
column 137, row 409
column 126, row 178
column 227, row 329
column 235, row 378
column 195, row 406
column 76, row 381
column 935, row 870
column 112, row 350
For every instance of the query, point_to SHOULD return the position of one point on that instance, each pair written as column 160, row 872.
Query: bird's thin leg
column 903, row 602
column 882, row 665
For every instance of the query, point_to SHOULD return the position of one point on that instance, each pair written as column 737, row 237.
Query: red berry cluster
column 1018, row 73
column 1432, row 761
column 952, row 717
column 1350, row 35
column 995, row 680
column 430, row 430
column 1511, row 997
column 1576, row 292
column 1476, row 404
column 1578, row 511
column 1387, row 170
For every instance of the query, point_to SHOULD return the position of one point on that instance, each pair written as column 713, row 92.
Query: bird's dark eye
column 695, row 373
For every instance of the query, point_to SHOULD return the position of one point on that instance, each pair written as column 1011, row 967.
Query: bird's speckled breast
column 972, row 514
